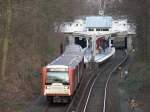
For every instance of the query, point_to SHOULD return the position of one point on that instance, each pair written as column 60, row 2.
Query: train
column 61, row 78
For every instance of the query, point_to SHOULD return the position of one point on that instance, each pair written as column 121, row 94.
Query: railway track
column 91, row 96
column 55, row 108
column 97, row 87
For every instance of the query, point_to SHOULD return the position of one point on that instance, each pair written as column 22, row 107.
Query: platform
column 104, row 55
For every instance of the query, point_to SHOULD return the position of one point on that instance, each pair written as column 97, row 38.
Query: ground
column 137, row 86
column 22, row 83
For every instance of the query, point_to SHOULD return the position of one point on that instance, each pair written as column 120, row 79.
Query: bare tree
column 7, row 36
column 138, row 11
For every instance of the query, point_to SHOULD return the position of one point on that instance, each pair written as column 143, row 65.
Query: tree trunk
column 6, row 38
column 148, row 38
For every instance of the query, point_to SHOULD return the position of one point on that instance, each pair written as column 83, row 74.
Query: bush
column 138, row 77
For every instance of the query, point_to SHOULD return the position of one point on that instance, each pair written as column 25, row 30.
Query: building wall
column 120, row 25
column 76, row 26
column 97, row 29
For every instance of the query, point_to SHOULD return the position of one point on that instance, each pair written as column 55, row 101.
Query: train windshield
column 57, row 77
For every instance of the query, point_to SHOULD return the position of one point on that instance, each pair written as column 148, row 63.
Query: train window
column 57, row 77
column 105, row 29
column 90, row 29
column 98, row 29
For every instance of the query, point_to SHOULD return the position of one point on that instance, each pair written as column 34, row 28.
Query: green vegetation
column 138, row 11
column 138, row 78
column 6, row 38
column 51, row 48
column 9, row 105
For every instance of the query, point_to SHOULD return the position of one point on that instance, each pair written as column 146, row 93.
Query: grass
column 11, row 105
column 137, row 79
column 6, row 38
column 51, row 48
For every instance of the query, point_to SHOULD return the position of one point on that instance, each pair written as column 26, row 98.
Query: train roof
column 72, row 55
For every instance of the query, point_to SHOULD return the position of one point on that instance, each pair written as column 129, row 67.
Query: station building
column 87, row 24
column 94, row 35
column 78, row 25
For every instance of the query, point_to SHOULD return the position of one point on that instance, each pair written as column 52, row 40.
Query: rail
column 109, row 77
column 106, row 85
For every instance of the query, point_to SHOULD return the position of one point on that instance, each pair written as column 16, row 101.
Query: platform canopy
column 91, row 34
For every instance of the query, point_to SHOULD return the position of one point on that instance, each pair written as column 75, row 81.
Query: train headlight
column 66, row 87
column 48, row 87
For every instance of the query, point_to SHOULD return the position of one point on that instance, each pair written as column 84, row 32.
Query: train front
column 56, row 83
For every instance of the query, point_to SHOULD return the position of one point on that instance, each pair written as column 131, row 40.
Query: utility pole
column 104, row 5
column 8, row 18
column 101, row 9
column 100, row 5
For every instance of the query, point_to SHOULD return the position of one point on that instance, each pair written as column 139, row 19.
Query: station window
column 105, row 29
column 91, row 29
column 98, row 29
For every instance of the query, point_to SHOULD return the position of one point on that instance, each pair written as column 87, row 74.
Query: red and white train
column 62, row 76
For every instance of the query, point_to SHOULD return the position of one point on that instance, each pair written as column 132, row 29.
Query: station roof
column 92, row 34
column 98, row 22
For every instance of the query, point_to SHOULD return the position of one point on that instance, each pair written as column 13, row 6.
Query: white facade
column 120, row 25
column 75, row 26
column 98, row 30
column 79, row 25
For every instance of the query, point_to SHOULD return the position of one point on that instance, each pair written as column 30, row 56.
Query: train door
column 74, row 79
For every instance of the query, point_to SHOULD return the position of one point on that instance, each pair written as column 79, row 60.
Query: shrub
column 138, row 75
